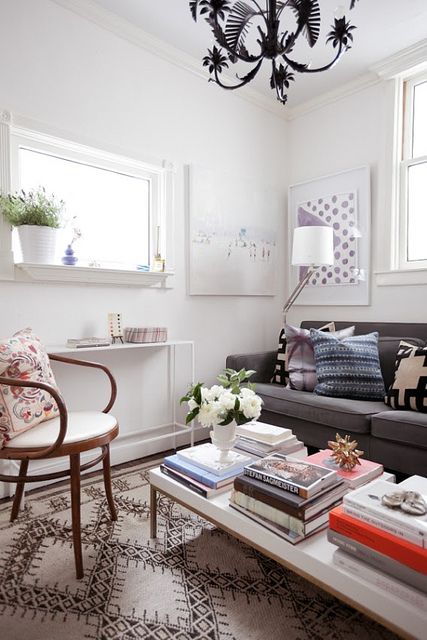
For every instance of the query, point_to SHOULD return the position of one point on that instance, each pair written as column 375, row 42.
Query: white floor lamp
column 312, row 247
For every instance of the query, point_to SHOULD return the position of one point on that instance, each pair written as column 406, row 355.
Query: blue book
column 205, row 477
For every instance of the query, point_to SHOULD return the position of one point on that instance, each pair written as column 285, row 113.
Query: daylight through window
column 413, row 179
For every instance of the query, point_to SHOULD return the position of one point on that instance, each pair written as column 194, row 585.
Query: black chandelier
column 231, row 24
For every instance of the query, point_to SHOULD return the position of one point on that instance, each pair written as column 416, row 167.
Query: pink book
column 361, row 474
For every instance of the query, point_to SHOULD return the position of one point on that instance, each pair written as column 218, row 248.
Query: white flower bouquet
column 222, row 403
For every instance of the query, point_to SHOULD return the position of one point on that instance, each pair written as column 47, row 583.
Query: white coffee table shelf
column 312, row 558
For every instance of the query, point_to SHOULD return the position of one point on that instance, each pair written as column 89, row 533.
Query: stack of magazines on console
column 288, row 496
column 260, row 439
column 381, row 532
column 199, row 469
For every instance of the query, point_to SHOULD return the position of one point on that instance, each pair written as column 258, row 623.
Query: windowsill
column 27, row 272
column 401, row 277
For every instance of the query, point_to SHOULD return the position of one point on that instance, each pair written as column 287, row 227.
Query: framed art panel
column 232, row 232
column 343, row 202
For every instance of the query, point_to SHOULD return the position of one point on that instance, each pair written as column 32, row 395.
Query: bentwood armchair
column 69, row 434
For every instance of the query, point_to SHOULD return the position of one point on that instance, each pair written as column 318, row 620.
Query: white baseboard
column 126, row 447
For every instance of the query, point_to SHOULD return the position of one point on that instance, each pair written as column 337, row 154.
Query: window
column 413, row 176
column 116, row 203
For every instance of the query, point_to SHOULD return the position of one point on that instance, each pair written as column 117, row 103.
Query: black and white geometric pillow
column 409, row 389
column 281, row 374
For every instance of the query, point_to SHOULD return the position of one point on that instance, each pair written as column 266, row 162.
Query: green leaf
column 190, row 416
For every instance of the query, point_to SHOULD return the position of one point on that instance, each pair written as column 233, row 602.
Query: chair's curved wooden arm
column 63, row 415
column 95, row 365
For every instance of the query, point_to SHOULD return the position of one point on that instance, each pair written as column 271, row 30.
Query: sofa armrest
column 263, row 363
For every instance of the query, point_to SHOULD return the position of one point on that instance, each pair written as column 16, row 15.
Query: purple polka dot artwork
column 339, row 211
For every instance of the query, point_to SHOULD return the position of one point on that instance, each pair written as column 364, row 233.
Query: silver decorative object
column 410, row 502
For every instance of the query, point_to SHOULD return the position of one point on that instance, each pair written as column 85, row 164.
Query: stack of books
column 385, row 545
column 261, row 439
column 199, row 469
column 290, row 497
column 362, row 473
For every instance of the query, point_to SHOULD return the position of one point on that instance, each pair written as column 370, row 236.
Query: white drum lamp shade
column 313, row 246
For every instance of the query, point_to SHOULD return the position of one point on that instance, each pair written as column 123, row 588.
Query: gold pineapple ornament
column 344, row 452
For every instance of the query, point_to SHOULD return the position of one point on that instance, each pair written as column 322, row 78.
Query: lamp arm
column 300, row 286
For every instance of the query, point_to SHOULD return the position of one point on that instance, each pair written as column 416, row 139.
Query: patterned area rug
column 192, row 583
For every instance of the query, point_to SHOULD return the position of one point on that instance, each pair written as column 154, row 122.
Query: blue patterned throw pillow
column 348, row 368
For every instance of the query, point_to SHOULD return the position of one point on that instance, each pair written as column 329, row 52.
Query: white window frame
column 407, row 161
column 160, row 176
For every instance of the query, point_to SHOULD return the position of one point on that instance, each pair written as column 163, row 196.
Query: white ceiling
column 384, row 27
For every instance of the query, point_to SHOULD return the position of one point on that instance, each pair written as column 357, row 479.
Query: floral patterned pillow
column 23, row 356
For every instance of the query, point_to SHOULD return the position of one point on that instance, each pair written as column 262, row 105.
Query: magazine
column 81, row 343
column 302, row 478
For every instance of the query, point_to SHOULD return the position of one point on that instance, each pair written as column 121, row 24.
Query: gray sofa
column 397, row 439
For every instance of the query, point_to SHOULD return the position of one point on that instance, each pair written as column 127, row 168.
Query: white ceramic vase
column 224, row 437
column 38, row 244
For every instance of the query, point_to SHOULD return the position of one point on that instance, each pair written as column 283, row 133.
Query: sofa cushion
column 404, row 427
column 281, row 372
column 348, row 368
column 409, row 388
column 388, row 347
column 300, row 355
column 338, row 413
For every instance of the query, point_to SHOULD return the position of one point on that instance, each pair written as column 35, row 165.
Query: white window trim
column 161, row 177
column 395, row 271
column 408, row 161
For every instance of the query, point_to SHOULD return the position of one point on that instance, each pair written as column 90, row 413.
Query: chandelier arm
column 222, row 39
column 250, row 76
column 296, row 66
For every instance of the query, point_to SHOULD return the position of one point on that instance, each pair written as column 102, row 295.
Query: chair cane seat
column 82, row 425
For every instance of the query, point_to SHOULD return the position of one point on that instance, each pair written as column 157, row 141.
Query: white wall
column 74, row 79
column 345, row 134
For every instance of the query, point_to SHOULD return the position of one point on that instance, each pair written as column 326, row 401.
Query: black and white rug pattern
column 193, row 582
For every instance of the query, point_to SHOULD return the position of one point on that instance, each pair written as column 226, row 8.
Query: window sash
column 406, row 162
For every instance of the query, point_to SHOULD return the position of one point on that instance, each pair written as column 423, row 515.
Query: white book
column 207, row 456
column 267, row 433
column 367, row 499
column 385, row 525
column 400, row 590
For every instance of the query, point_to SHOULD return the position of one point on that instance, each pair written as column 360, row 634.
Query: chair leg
column 75, row 512
column 19, row 490
column 107, row 483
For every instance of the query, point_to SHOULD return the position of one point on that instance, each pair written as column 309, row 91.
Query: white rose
column 228, row 400
column 251, row 406
column 208, row 395
column 246, row 392
column 192, row 404
column 210, row 414
column 216, row 391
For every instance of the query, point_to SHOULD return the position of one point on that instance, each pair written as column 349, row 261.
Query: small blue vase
column 69, row 258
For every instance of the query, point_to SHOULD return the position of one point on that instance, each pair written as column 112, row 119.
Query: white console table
column 170, row 345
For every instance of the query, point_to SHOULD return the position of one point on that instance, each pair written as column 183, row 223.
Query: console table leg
column 153, row 512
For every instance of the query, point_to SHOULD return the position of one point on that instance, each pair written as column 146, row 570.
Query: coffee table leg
column 153, row 512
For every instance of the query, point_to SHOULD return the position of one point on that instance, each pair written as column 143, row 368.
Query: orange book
column 405, row 552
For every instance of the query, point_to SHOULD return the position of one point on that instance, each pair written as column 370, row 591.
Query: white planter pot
column 38, row 244
column 224, row 437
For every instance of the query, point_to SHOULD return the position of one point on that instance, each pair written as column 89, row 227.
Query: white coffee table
column 311, row 559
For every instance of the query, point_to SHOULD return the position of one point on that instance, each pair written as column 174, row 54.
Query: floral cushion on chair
column 24, row 357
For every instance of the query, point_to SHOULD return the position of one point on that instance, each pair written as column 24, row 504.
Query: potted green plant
column 37, row 217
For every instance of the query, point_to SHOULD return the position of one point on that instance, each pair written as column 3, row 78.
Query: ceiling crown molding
column 349, row 88
column 412, row 59
column 122, row 28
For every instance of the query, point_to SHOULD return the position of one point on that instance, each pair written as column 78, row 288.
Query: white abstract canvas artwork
column 232, row 235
